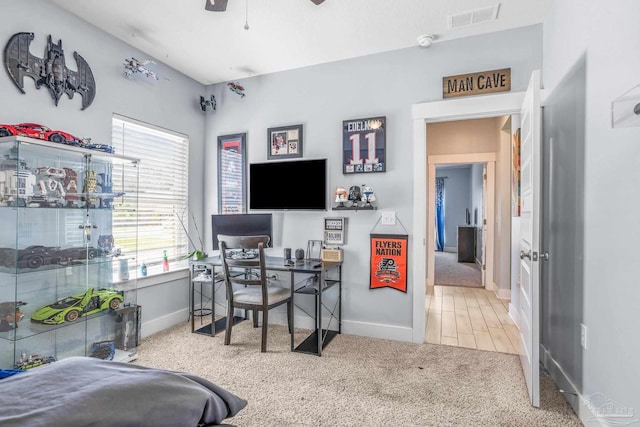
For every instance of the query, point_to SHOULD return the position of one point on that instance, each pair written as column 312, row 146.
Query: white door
column 530, row 239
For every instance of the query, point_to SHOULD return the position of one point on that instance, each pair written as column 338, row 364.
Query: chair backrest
column 241, row 269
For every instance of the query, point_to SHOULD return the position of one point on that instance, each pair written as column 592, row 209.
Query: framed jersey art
column 363, row 145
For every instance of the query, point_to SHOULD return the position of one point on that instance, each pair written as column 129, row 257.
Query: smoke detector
column 425, row 40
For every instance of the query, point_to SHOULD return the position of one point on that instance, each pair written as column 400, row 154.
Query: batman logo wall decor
column 50, row 71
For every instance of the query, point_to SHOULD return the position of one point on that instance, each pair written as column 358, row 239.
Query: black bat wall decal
column 50, row 71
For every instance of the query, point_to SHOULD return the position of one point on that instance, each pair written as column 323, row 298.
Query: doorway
column 459, row 218
column 470, row 152
column 435, row 112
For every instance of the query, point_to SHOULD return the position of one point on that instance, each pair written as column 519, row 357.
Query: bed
column 85, row 391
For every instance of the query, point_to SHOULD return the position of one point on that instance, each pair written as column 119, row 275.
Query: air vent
column 473, row 17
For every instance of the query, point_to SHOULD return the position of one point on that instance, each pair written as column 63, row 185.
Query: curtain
column 439, row 214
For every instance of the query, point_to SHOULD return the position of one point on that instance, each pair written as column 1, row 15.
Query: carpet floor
column 450, row 272
column 358, row 381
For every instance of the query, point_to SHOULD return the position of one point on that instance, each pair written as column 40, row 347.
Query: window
column 162, row 191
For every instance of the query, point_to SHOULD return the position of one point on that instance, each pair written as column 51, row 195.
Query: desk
column 323, row 276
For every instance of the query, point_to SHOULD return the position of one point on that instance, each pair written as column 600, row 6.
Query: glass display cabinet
column 64, row 283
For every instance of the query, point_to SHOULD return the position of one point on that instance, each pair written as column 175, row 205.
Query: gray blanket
column 84, row 391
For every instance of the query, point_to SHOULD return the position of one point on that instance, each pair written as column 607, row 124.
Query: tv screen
column 241, row 225
column 294, row 185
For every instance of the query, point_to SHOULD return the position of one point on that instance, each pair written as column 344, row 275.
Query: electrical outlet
column 68, row 271
column 583, row 336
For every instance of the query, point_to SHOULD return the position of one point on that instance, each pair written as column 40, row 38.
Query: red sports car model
column 35, row 130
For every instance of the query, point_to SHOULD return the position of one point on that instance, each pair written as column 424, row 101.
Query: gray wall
column 562, row 282
column 457, row 193
column 321, row 97
column 610, row 295
column 171, row 102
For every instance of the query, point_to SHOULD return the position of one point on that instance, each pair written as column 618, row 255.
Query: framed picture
column 334, row 230
column 363, row 145
column 284, row 142
column 232, row 174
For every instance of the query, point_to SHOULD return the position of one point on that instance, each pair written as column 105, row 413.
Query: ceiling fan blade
column 317, row 1
column 216, row 5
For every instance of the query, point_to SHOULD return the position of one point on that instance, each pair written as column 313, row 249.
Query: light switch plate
column 388, row 218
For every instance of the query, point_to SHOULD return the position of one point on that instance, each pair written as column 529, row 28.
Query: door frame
column 489, row 159
column 432, row 112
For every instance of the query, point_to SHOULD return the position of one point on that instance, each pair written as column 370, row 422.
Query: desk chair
column 252, row 292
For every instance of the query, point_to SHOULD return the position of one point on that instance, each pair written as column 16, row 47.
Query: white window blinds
column 162, row 190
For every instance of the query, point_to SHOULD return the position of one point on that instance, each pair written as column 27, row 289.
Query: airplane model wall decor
column 205, row 103
column 133, row 66
column 236, row 88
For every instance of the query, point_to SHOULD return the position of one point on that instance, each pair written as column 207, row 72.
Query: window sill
column 165, row 277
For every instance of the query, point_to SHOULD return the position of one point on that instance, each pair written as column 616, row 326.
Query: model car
column 75, row 306
column 78, row 253
column 38, row 131
column 100, row 147
column 36, row 256
column 33, row 360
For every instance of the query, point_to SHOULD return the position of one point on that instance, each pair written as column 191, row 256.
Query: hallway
column 470, row 317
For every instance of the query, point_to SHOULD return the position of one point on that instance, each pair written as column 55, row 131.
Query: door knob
column 524, row 254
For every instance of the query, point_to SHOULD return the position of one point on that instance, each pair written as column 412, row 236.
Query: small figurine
column 50, row 186
column 10, row 315
column 341, row 196
column 90, row 188
column 70, row 185
column 367, row 195
column 354, row 195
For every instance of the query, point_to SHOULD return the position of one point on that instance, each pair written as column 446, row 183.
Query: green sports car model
column 71, row 308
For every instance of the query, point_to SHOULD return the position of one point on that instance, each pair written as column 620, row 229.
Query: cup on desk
column 299, row 254
column 287, row 253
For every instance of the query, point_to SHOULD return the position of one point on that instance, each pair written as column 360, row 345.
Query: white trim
column 575, row 399
column 453, row 249
column 444, row 159
column 502, row 293
column 514, row 313
column 376, row 330
column 418, row 240
column 164, row 322
column 430, row 112
column 159, row 279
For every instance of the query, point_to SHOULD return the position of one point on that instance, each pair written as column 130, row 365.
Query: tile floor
column 470, row 317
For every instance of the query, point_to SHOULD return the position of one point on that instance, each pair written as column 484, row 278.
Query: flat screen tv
column 241, row 225
column 288, row 185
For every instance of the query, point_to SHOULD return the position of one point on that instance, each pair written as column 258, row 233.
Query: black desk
column 321, row 277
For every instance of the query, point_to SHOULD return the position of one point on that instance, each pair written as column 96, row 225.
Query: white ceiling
column 213, row 47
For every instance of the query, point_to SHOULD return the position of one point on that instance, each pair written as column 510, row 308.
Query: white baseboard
column 161, row 323
column 376, row 330
column 451, row 249
column 576, row 400
column 513, row 313
column 502, row 293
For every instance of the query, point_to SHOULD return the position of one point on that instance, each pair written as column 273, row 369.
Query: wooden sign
column 477, row 83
